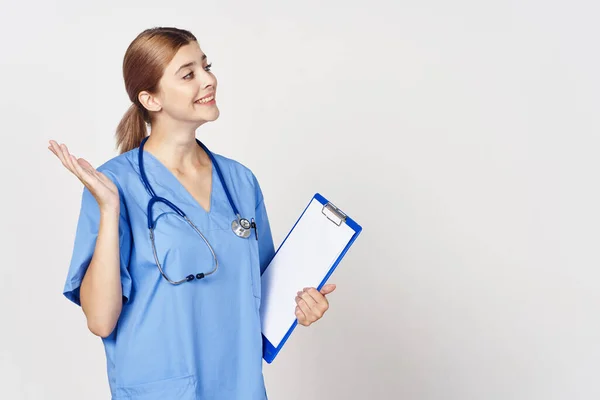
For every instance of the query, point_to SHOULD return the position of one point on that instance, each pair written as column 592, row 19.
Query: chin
column 213, row 115
column 210, row 115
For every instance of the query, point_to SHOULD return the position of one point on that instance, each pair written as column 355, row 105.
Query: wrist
column 109, row 212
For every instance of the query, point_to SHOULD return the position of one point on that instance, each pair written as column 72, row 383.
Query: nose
column 208, row 79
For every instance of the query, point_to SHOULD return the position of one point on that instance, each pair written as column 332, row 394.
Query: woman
column 177, row 309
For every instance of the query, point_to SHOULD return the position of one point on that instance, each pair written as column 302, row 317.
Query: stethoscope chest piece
column 241, row 227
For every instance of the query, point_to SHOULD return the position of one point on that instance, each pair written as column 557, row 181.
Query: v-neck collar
column 182, row 188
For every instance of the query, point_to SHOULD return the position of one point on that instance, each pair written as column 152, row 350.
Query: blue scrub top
column 200, row 339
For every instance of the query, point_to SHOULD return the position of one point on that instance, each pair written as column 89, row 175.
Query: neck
column 178, row 151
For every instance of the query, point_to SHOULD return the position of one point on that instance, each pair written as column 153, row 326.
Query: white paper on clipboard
column 303, row 260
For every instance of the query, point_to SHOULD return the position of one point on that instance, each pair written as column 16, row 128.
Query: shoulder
column 235, row 167
column 121, row 168
column 240, row 174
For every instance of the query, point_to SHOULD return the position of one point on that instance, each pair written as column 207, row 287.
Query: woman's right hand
column 102, row 188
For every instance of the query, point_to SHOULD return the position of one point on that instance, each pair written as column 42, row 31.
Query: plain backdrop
column 462, row 136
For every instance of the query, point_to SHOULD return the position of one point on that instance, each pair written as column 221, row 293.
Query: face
column 187, row 89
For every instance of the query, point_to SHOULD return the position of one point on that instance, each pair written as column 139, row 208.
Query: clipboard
column 307, row 257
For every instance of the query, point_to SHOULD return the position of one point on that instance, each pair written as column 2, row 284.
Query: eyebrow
column 190, row 64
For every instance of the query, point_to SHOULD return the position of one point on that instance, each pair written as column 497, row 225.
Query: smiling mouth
column 205, row 100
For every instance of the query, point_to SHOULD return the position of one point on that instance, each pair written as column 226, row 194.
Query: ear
column 150, row 102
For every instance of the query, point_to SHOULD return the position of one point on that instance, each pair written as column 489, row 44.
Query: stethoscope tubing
column 154, row 198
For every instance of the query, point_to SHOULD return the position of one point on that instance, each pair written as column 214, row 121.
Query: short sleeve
column 85, row 243
column 266, row 247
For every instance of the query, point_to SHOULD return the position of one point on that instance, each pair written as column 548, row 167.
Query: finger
column 58, row 152
column 53, row 151
column 308, row 299
column 300, row 316
column 328, row 288
column 56, row 149
column 67, row 161
column 321, row 303
column 84, row 163
column 53, row 148
column 81, row 172
column 69, row 158
column 315, row 295
column 308, row 312
column 63, row 154
column 87, row 167
column 71, row 162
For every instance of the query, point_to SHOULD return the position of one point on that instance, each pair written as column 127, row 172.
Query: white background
column 462, row 136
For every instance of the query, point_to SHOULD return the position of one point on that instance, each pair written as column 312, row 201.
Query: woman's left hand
column 312, row 304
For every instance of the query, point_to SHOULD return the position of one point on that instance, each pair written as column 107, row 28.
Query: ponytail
column 132, row 129
column 144, row 64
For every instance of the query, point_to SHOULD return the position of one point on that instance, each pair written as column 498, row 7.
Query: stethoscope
column 240, row 226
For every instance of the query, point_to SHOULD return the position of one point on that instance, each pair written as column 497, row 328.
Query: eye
column 207, row 69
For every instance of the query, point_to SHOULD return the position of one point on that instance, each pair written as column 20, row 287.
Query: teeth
column 205, row 100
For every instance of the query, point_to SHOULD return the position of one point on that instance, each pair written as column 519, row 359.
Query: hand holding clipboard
column 307, row 257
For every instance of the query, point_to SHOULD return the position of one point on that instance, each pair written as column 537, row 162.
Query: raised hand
column 102, row 188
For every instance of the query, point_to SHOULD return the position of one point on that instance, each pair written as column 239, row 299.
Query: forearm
column 101, row 293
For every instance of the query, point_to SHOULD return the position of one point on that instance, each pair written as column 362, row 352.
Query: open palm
column 102, row 188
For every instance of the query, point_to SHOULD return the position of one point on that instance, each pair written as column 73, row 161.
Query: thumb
column 330, row 287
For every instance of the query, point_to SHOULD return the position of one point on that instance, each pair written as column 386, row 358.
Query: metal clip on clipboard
column 331, row 209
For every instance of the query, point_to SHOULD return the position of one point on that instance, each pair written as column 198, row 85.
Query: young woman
column 172, row 240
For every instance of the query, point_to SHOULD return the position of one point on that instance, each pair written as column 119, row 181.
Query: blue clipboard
column 269, row 350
